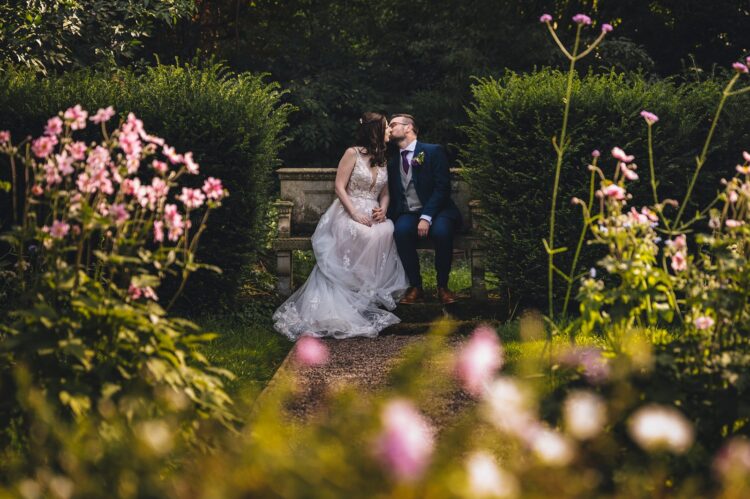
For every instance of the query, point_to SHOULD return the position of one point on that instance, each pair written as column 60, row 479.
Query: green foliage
column 232, row 123
column 49, row 35
column 508, row 157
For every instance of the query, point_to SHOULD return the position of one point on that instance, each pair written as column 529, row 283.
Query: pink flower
column 746, row 156
column 192, row 166
column 629, row 174
column 59, row 229
column 733, row 196
column 52, row 176
column 594, row 365
column 479, row 360
column 174, row 221
column 77, row 150
column 650, row 118
column 130, row 144
column 77, row 117
column 119, row 213
column 614, row 191
column 159, row 166
column 134, row 292
column 311, row 352
column 37, row 190
column 545, row 18
column 54, row 126
column 595, row 153
column 4, row 136
column 657, row 427
column 703, row 322
column 618, row 153
column 606, row 28
column 43, row 146
column 733, row 224
column 171, row 155
column 743, row 170
column 680, row 242
column 158, row 231
column 160, row 188
column 191, row 198
column 64, row 163
column 213, row 188
column 739, row 67
column 405, row 445
column 646, row 216
column 147, row 292
column 103, row 115
column 582, row 19
column 679, row 261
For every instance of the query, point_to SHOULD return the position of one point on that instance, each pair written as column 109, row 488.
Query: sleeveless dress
column 357, row 270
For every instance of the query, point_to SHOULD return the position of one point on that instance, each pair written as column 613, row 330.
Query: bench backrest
column 311, row 192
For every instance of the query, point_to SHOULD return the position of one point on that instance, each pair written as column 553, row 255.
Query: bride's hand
column 363, row 219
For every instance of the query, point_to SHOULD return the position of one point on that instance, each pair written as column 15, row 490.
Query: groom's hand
column 423, row 228
column 378, row 215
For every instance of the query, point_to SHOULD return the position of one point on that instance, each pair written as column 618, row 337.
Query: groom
column 421, row 207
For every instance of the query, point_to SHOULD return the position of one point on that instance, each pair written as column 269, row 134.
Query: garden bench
column 307, row 192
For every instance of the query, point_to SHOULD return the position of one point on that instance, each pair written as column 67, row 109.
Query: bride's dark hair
column 371, row 137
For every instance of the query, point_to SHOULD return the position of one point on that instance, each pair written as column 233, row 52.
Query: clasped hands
column 378, row 216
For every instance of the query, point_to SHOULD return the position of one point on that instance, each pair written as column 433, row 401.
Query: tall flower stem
column 560, row 147
column 701, row 160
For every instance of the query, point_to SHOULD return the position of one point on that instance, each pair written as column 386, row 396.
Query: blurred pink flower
column 614, row 191
column 743, row 170
column 746, row 156
column 160, row 188
column 192, row 166
column 119, row 213
column 733, row 224
column 479, row 359
column 54, row 126
column 64, row 163
column 508, row 406
column 582, row 19
column 739, row 67
column 733, row 459
column 595, row 153
column 545, row 18
column 658, row 427
column 703, row 322
column 103, row 115
column 43, row 146
column 650, row 118
column 733, row 196
column 606, row 28
column 406, row 442
column 4, row 136
column 191, row 198
column 37, row 190
column 51, row 174
column 679, row 262
column 310, row 351
column 594, row 365
column 59, row 229
column 130, row 143
column 76, row 115
column 174, row 221
column 487, row 479
column 680, row 242
column 619, row 154
column 585, row 414
column 159, row 166
column 552, row 448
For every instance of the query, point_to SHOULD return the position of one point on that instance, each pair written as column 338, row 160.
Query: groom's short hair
column 410, row 119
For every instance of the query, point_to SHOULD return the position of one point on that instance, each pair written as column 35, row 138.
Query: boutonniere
column 418, row 159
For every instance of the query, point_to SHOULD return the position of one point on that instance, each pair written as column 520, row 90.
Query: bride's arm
column 385, row 198
column 343, row 172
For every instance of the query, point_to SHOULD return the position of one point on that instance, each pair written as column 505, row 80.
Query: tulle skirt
column 358, row 271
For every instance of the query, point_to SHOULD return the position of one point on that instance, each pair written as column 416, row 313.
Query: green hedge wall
column 231, row 122
column 509, row 159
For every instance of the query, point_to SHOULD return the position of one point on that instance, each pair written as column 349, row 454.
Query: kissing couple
column 365, row 244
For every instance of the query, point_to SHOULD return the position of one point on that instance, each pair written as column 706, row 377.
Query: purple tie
column 405, row 161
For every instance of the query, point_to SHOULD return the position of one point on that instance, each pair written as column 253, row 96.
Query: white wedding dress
column 358, row 270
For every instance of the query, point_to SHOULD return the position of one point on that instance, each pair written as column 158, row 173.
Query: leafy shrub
column 232, row 123
column 509, row 167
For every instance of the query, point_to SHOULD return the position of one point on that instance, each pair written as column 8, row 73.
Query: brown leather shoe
column 446, row 296
column 412, row 295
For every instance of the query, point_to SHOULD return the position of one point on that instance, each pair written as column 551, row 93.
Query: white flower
column 585, row 414
column 657, row 427
column 703, row 322
column 508, row 407
column 486, row 479
column 552, row 448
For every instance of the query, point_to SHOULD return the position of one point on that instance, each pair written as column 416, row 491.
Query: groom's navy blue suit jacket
column 432, row 181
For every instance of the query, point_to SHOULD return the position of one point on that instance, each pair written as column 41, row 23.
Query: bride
column 358, row 268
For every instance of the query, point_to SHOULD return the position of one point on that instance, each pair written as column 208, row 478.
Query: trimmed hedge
column 231, row 122
column 509, row 159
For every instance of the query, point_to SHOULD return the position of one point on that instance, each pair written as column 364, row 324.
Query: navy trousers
column 441, row 234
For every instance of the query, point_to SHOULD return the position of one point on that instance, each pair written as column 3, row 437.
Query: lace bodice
column 361, row 181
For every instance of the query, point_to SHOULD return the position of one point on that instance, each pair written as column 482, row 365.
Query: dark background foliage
column 232, row 123
column 510, row 158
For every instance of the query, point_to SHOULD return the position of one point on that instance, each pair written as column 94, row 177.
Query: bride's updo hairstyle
column 371, row 137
